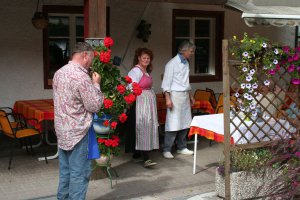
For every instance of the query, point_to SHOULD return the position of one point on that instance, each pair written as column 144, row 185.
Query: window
column 66, row 27
column 205, row 30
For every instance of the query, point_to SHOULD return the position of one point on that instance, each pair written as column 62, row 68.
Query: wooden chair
column 161, row 112
column 19, row 132
column 212, row 98
column 202, row 95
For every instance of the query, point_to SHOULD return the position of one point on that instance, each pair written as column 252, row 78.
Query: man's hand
column 192, row 99
column 169, row 102
column 96, row 78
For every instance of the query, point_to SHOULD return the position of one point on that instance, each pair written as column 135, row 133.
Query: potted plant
column 291, row 61
column 119, row 93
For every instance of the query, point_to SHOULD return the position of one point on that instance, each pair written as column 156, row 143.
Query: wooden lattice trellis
column 269, row 126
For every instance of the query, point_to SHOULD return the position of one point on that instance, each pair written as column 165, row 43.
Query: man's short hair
column 185, row 45
column 81, row 47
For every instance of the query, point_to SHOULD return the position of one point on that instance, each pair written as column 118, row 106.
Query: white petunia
column 242, row 108
column 265, row 67
column 276, row 51
column 248, row 85
column 252, row 106
column 255, row 93
column 245, row 69
column 239, row 100
column 254, row 86
column 254, row 113
column 243, row 85
column 249, row 97
column 252, row 71
column 245, row 54
column 248, row 78
column 236, row 94
column 250, row 90
column 264, row 45
column 275, row 62
column 246, row 95
column 267, row 82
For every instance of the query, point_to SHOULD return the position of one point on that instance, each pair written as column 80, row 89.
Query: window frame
column 63, row 10
column 219, row 35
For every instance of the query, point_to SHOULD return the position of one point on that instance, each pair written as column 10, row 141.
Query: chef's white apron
column 179, row 117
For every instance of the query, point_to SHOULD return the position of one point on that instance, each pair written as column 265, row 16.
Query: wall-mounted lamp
column 40, row 20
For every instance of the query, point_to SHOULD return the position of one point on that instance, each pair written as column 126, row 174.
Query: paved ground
column 170, row 179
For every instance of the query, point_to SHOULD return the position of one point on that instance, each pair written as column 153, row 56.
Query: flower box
column 246, row 185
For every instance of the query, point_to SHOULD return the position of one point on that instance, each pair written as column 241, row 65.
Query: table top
column 246, row 131
column 41, row 109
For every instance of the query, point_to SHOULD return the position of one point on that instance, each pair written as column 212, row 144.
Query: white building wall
column 21, row 63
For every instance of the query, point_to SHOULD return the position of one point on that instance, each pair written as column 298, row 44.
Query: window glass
column 202, row 56
column 58, row 26
column 79, row 26
column 58, row 54
column 182, row 28
column 202, row 28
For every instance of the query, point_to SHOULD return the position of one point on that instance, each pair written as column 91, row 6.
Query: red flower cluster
column 128, row 79
column 105, row 56
column 108, row 42
column 121, row 88
column 113, row 125
column 129, row 98
column 106, row 123
column 113, row 142
column 122, row 117
column 108, row 103
column 136, row 89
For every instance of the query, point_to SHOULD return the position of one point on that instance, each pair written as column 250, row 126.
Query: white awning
column 268, row 12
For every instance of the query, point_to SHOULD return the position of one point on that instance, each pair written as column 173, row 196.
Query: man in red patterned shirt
column 76, row 97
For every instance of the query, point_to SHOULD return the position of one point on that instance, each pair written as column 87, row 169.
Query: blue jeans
column 74, row 172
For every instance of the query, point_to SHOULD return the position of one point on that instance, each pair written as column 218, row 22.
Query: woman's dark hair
column 139, row 52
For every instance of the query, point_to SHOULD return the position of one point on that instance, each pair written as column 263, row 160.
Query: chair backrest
column 202, row 95
column 161, row 108
column 212, row 99
column 220, row 110
column 5, row 124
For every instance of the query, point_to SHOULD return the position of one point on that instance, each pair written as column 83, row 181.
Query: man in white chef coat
column 177, row 89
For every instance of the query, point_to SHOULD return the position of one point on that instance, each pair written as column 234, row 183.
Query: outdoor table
column 212, row 127
column 42, row 110
column 204, row 105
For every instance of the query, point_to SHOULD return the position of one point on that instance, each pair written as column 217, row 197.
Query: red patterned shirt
column 76, row 98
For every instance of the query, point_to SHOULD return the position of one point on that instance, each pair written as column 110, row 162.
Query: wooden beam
column 97, row 18
column 226, row 103
column 211, row 2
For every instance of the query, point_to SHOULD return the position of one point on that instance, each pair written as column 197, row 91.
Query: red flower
column 128, row 79
column 96, row 53
column 108, row 142
column 108, row 103
column 114, row 143
column 121, row 88
column 129, row 98
column 136, row 89
column 114, row 137
column 108, row 42
column 101, row 141
column 113, row 125
column 105, row 56
column 106, row 123
column 122, row 117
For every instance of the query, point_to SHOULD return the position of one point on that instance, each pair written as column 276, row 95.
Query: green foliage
column 249, row 160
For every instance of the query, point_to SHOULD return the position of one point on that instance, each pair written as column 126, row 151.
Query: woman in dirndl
column 142, row 124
